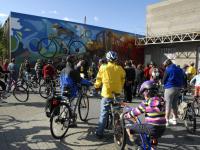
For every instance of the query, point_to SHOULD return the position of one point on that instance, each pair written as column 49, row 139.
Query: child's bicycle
column 142, row 133
column 116, row 122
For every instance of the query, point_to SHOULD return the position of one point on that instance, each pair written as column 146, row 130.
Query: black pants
column 128, row 92
column 3, row 85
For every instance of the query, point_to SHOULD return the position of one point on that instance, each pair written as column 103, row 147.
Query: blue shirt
column 174, row 77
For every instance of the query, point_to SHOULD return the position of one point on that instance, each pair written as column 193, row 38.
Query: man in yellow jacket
column 111, row 77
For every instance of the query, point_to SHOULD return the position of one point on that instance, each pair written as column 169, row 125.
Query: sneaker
column 173, row 121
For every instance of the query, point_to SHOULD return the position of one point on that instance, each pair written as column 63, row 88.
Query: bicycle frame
column 143, row 136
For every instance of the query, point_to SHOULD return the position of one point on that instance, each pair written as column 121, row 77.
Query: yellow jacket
column 112, row 78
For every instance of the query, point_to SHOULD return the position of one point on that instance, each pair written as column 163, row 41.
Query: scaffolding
column 166, row 39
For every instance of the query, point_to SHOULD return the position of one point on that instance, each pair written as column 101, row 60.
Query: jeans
column 105, row 107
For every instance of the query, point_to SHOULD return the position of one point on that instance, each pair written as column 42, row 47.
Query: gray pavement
column 24, row 126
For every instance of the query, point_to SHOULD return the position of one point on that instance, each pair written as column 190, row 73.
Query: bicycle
column 65, row 113
column 46, row 88
column 143, row 140
column 186, row 113
column 196, row 105
column 48, row 47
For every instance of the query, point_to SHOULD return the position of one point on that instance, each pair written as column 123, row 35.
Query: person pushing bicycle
column 111, row 77
column 153, row 106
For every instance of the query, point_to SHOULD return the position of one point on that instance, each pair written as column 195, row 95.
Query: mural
column 36, row 37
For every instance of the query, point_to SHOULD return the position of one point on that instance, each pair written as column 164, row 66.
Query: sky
column 123, row 15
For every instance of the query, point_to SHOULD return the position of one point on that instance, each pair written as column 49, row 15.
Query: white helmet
column 111, row 56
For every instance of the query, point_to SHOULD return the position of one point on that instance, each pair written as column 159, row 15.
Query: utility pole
column 85, row 20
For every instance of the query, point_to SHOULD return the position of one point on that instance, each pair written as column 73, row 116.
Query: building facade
column 172, row 31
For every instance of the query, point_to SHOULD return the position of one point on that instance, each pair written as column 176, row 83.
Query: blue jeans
column 105, row 107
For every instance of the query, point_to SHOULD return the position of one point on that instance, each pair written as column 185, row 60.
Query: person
column 139, row 78
column 146, row 72
column 153, row 106
column 69, row 75
column 38, row 69
column 196, row 82
column 173, row 81
column 111, row 77
column 103, row 62
column 191, row 71
column 5, row 69
column 129, row 81
column 13, row 72
column 25, row 70
column 49, row 71
column 69, row 78
column 61, row 65
column 3, row 85
column 154, row 73
column 81, row 68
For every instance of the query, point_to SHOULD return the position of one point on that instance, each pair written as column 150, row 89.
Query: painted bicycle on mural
column 64, row 41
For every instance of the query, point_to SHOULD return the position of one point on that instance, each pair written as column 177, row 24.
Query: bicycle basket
column 182, row 110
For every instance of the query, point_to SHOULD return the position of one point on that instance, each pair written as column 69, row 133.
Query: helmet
column 111, row 56
column 167, row 62
column 50, row 61
column 148, row 85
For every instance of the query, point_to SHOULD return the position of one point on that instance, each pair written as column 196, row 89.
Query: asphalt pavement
column 24, row 126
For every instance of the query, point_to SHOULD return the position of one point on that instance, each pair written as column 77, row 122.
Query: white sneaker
column 173, row 121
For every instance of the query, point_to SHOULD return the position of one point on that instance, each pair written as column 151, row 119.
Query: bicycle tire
column 190, row 119
column 120, row 135
column 45, row 90
column 77, row 47
column 83, row 104
column 60, row 115
column 109, row 121
column 47, row 48
column 196, row 106
column 18, row 91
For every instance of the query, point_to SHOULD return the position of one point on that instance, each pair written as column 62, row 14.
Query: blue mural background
column 36, row 37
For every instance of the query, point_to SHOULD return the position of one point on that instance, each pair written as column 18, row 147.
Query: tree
column 3, row 43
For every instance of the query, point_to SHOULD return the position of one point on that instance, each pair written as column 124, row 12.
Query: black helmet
column 148, row 85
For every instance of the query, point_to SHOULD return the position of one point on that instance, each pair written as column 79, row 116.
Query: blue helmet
column 111, row 56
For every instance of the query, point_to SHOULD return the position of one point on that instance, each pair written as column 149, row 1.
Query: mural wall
column 36, row 37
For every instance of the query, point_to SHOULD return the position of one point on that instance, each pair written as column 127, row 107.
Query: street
column 24, row 126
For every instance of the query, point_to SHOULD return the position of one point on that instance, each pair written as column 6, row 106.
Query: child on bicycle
column 153, row 107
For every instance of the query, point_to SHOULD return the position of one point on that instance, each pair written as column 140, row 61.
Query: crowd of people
column 113, row 77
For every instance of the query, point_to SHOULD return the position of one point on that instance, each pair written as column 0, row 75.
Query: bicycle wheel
column 119, row 132
column 59, row 121
column 196, row 106
column 47, row 48
column 83, row 107
column 45, row 90
column 109, row 121
column 190, row 119
column 77, row 47
column 20, row 93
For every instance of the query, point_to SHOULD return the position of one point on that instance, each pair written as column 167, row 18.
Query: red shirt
column 48, row 71
column 5, row 67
